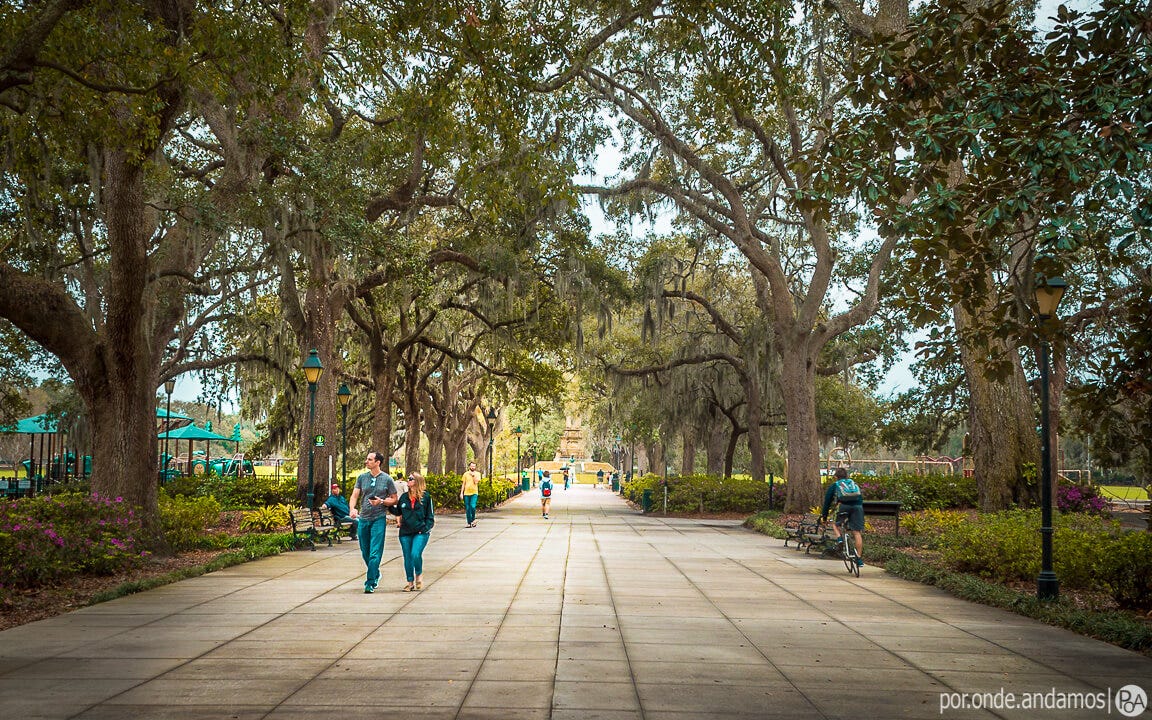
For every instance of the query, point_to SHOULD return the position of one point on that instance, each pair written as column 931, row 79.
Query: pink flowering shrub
column 1080, row 498
column 46, row 539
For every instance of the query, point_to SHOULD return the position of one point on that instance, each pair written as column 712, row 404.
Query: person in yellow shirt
column 470, row 493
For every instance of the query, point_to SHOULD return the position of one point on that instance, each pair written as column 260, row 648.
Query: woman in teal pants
column 416, row 520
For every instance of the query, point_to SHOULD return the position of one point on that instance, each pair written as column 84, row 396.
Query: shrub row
column 48, row 538
column 920, row 492
column 1093, row 553
column 705, row 493
column 445, row 491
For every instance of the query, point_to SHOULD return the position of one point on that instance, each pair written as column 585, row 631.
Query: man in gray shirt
column 379, row 492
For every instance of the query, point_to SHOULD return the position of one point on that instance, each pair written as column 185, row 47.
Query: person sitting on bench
column 340, row 509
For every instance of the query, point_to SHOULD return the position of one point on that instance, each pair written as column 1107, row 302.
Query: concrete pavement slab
column 597, row 613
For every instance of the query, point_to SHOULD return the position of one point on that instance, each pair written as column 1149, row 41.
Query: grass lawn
column 1123, row 492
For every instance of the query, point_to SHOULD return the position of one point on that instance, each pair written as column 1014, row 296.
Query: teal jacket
column 415, row 518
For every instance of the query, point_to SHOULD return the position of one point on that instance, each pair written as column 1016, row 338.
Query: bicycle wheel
column 849, row 555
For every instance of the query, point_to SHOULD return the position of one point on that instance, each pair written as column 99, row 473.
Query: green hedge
column 920, row 492
column 1090, row 552
column 445, row 491
column 234, row 493
column 705, row 493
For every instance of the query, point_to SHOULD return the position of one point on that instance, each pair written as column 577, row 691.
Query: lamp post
column 491, row 438
column 1048, row 295
column 632, row 456
column 169, row 386
column 312, row 371
column 518, row 432
column 344, row 395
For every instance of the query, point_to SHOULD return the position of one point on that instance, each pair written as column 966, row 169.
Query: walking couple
column 415, row 512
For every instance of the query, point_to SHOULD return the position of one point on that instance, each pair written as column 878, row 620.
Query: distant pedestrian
column 470, row 493
column 416, row 517
column 401, row 488
column 567, row 478
column 379, row 492
column 546, row 493
column 599, row 477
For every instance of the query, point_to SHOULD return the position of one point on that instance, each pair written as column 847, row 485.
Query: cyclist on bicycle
column 851, row 505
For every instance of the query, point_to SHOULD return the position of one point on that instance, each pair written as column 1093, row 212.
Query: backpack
column 546, row 488
column 848, row 490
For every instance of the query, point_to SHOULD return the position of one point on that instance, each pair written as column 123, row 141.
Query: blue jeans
column 371, row 533
column 413, row 547
column 470, row 507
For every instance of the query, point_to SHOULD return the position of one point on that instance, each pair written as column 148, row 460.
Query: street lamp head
column 344, row 395
column 491, row 414
column 517, row 431
column 312, row 367
column 169, row 385
column 1049, row 292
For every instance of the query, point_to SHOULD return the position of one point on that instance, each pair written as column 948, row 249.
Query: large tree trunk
column 411, row 407
column 755, row 434
column 434, row 431
column 798, row 386
column 1002, row 423
column 688, row 454
column 715, row 444
column 322, row 305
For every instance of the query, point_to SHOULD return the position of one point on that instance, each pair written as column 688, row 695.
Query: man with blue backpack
column 851, row 506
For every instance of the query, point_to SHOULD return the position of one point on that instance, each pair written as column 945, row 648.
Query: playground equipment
column 921, row 465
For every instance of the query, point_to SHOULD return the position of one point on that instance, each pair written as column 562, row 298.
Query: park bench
column 799, row 530
column 327, row 517
column 890, row 508
column 309, row 526
column 820, row 537
column 327, row 522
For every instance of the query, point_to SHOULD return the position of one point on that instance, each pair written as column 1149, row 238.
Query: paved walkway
column 597, row 613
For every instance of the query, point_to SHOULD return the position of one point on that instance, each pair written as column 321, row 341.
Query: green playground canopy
column 35, row 425
column 192, row 432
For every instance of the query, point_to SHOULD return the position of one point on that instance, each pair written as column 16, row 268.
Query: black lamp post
column 632, row 456
column 312, row 371
column 1048, row 295
column 517, row 432
column 169, row 386
column 344, row 395
column 491, row 438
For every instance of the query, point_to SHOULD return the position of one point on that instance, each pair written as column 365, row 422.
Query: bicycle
column 847, row 547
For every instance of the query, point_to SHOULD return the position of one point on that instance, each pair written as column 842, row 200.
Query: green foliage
column 445, row 491
column 249, row 491
column 266, row 519
column 48, row 538
column 705, row 493
column 845, row 411
column 932, row 522
column 1090, row 553
column 1128, row 569
column 918, row 492
column 766, row 522
column 184, row 520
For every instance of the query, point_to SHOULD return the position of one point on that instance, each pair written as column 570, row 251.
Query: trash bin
column 525, row 483
column 646, row 501
column 616, row 482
